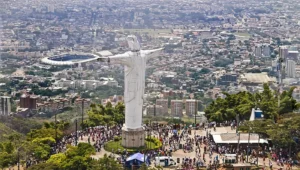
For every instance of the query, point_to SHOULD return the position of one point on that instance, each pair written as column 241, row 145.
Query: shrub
column 151, row 143
column 117, row 138
column 157, row 142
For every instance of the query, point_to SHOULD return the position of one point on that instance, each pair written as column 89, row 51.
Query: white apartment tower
column 265, row 50
column 290, row 68
column 257, row 51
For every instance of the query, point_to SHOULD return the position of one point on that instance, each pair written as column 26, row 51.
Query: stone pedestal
column 133, row 138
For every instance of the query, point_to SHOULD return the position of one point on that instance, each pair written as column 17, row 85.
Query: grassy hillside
column 4, row 132
column 19, row 124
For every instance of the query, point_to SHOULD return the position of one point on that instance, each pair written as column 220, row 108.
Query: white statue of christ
column 135, row 67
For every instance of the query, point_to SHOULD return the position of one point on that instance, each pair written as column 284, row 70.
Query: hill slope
column 4, row 132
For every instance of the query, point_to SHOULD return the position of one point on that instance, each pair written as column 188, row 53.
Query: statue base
column 133, row 138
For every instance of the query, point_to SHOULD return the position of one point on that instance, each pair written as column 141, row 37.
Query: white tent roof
column 228, row 138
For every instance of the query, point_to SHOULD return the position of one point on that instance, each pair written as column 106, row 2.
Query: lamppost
column 258, row 150
column 195, row 121
column 82, row 110
column 147, row 144
column 56, row 111
column 149, row 136
column 76, row 135
column 237, row 122
column 248, row 147
column 18, row 158
column 238, row 146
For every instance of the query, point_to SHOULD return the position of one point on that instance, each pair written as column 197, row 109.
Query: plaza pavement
column 181, row 154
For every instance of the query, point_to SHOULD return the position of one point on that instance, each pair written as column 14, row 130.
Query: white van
column 164, row 161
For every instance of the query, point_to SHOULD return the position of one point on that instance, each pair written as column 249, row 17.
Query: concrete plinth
column 133, row 138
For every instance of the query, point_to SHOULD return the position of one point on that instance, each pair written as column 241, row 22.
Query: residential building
column 5, row 105
column 257, row 51
column 164, row 104
column 191, row 107
column 227, row 79
column 114, row 100
column 293, row 55
column 150, row 110
column 265, row 49
column 290, row 69
column 87, row 84
column 255, row 79
column 29, row 101
column 176, row 108
column 154, row 110
column 83, row 102
column 283, row 52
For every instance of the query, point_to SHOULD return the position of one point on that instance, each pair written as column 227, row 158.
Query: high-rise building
column 150, row 110
column 29, row 101
column 290, row 68
column 5, row 105
column 293, row 55
column 257, row 51
column 176, row 108
column 164, row 104
column 265, row 49
column 283, row 52
column 154, row 110
column 191, row 107
column 50, row 8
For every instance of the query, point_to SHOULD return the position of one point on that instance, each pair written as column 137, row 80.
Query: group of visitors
column 207, row 152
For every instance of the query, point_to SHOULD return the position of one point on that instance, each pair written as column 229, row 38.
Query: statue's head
column 133, row 43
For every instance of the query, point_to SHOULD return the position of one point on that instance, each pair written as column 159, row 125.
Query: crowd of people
column 207, row 152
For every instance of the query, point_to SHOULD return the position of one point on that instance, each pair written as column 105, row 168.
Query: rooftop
column 227, row 138
column 256, row 78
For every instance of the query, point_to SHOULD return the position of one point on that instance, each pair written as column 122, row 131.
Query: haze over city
column 160, row 84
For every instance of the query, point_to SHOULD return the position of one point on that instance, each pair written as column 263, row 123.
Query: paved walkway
column 180, row 153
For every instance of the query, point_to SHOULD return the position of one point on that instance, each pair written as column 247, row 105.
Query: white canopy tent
column 231, row 138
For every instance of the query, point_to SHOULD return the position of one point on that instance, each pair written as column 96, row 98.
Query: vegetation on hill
column 105, row 115
column 242, row 103
column 39, row 139
column 4, row 131
column 103, row 92
column 19, row 124
column 283, row 134
column 36, row 144
column 280, row 124
column 78, row 157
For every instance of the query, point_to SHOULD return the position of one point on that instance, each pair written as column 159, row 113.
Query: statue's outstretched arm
column 116, row 59
column 152, row 53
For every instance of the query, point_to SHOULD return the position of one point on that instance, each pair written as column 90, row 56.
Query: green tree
column 44, row 166
column 105, row 115
column 57, row 159
column 77, row 157
column 242, row 103
column 106, row 163
column 6, row 159
column 43, row 133
column 40, row 147
column 283, row 133
column 287, row 103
